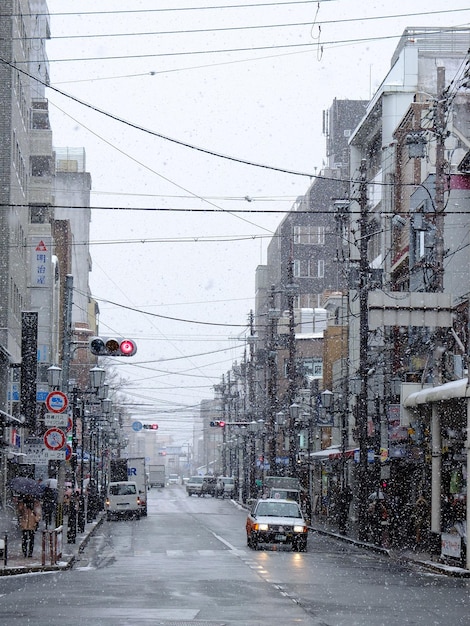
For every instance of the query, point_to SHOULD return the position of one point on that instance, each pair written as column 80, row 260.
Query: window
column 311, row 235
column 41, row 165
column 309, row 268
column 38, row 214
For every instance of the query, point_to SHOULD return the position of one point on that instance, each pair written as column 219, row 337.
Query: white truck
column 137, row 471
column 132, row 469
column 156, row 475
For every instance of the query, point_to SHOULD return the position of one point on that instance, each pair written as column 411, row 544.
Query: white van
column 123, row 500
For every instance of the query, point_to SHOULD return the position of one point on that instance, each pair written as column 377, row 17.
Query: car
column 194, row 486
column 173, row 479
column 276, row 521
column 122, row 499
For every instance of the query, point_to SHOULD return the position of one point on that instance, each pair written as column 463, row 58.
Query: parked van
column 123, row 500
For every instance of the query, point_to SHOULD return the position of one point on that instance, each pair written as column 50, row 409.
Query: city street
column 188, row 563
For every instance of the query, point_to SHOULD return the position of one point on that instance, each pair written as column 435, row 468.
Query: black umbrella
column 26, row 487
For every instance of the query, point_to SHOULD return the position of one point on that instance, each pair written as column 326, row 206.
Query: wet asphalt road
column 187, row 563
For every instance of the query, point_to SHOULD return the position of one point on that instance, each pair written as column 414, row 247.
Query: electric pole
column 362, row 408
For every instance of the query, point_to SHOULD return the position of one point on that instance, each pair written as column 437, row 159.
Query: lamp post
column 54, row 381
column 97, row 375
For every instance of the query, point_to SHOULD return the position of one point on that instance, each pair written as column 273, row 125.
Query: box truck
column 156, row 475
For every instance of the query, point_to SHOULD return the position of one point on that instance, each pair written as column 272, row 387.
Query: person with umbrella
column 29, row 517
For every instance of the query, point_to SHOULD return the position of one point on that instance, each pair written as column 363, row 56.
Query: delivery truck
column 133, row 469
column 156, row 475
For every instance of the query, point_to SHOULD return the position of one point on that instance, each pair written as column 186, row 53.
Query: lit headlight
column 299, row 529
column 261, row 526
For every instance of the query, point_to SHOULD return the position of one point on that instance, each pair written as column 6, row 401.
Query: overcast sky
column 245, row 80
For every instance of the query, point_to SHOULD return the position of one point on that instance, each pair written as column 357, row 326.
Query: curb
column 440, row 568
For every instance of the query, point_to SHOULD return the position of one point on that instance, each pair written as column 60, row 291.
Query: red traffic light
column 221, row 424
column 112, row 346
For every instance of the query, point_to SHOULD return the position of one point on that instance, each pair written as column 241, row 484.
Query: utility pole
column 291, row 368
column 66, row 358
column 362, row 408
column 439, row 209
column 252, row 412
column 273, row 316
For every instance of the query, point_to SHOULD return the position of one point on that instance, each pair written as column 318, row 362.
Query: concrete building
column 410, row 205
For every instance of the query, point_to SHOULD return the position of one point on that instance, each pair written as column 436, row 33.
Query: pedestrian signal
column 112, row 346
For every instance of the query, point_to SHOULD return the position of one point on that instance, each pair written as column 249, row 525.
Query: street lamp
column 97, row 376
column 326, row 398
column 54, row 376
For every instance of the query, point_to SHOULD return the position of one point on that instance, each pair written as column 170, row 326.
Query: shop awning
column 448, row 391
column 321, row 455
column 348, row 454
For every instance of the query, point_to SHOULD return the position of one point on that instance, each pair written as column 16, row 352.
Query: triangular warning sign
column 41, row 247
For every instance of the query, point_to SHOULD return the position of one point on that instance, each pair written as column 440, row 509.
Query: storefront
column 444, row 412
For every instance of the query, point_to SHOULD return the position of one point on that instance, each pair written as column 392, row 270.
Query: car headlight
column 261, row 527
column 300, row 529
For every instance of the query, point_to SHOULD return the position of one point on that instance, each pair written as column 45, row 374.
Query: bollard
column 5, row 549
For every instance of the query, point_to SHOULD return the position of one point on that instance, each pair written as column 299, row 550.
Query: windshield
column 277, row 509
column 122, row 490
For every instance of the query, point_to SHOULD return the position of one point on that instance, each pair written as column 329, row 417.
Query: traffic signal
column 150, row 426
column 217, row 423
column 112, row 346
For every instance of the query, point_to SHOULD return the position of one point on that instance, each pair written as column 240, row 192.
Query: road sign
column 56, row 419
column 68, row 452
column 54, row 439
column 137, row 426
column 56, row 402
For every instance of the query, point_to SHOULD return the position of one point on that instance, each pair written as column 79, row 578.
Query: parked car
column 225, row 487
column 209, row 485
column 194, row 486
column 122, row 499
column 276, row 521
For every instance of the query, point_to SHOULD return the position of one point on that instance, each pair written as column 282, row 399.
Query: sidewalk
column 18, row 564
column 422, row 559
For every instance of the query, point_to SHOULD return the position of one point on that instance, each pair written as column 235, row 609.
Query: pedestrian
column 344, row 504
column 306, row 506
column 421, row 519
column 378, row 522
column 29, row 517
column 49, row 500
column 93, row 497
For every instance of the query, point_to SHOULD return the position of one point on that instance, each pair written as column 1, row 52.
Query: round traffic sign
column 54, row 439
column 137, row 426
column 56, row 402
column 68, row 452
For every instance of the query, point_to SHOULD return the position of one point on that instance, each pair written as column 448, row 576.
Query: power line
column 248, row 27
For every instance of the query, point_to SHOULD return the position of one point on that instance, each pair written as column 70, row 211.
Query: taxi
column 276, row 521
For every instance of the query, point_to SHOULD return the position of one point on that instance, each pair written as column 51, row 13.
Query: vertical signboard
column 29, row 366
column 41, row 262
